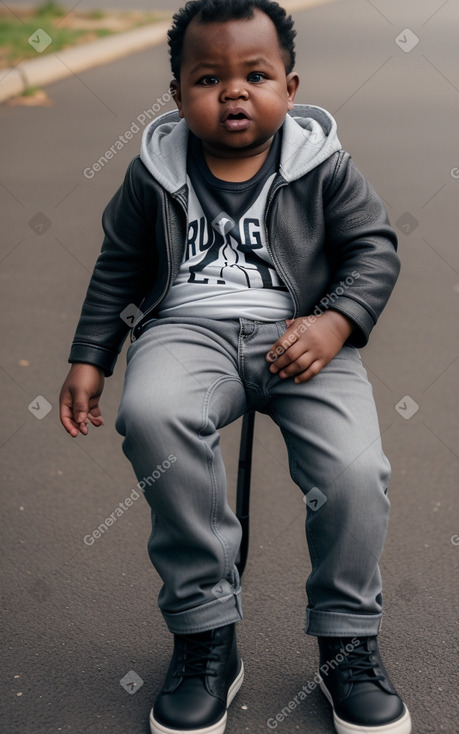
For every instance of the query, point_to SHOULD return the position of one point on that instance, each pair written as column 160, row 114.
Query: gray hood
column 309, row 138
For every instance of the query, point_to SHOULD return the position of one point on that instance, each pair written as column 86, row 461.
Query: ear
column 293, row 82
column 177, row 93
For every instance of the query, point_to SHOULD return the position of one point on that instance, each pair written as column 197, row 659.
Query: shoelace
column 360, row 666
column 197, row 656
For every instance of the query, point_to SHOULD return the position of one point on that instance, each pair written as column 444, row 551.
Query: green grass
column 97, row 15
column 30, row 91
column 15, row 32
column 51, row 10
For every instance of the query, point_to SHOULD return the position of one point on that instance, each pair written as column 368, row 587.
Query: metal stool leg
column 243, row 486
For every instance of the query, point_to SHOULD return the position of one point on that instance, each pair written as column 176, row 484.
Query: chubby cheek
column 202, row 123
column 270, row 105
column 200, row 107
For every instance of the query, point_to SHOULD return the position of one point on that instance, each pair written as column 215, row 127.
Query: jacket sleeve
column 123, row 271
column 362, row 247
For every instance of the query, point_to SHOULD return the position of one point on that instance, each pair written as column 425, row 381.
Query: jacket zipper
column 169, row 267
column 275, row 187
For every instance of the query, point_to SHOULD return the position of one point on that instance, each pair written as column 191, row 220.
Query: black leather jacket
column 327, row 232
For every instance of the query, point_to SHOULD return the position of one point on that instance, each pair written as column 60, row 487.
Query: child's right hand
column 79, row 398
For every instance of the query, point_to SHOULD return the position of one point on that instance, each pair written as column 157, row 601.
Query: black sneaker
column 205, row 674
column 358, row 688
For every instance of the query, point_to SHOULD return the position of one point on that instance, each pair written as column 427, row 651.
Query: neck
column 236, row 169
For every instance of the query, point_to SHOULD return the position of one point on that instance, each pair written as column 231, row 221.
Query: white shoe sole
column 218, row 728
column 399, row 726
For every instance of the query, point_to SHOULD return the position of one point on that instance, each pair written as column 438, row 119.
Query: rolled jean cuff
column 217, row 613
column 341, row 624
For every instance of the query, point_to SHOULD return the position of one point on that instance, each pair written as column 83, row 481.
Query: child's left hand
column 308, row 345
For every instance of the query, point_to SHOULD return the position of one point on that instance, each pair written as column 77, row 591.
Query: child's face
column 233, row 91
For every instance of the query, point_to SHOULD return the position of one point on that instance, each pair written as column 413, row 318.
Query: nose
column 234, row 90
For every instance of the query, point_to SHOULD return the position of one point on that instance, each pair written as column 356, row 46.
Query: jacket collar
column 309, row 138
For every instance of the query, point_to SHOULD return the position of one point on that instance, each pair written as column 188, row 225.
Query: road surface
column 78, row 618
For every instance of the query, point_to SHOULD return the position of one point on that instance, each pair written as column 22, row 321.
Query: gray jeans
column 188, row 377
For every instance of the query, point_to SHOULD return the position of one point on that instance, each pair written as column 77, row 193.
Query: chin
column 258, row 143
column 241, row 144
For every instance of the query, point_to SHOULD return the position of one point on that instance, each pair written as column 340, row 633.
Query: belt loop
column 247, row 327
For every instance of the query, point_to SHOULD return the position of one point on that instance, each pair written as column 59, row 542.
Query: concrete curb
column 52, row 67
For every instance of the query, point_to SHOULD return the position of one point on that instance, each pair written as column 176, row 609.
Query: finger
column 308, row 374
column 83, row 428
column 297, row 366
column 96, row 420
column 274, row 353
column 291, row 355
column 70, row 426
column 67, row 420
column 94, row 410
column 280, row 348
column 95, row 415
column 80, row 407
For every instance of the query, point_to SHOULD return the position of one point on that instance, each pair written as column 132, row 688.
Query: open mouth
column 237, row 120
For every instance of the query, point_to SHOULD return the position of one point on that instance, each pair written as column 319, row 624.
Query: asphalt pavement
column 79, row 618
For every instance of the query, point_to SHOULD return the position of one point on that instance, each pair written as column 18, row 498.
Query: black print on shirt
column 225, row 245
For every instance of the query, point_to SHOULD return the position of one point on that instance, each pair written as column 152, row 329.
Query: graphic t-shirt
column 227, row 271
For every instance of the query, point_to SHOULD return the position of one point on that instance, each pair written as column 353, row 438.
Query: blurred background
column 79, row 618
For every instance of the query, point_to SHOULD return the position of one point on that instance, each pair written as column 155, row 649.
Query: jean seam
column 293, row 465
column 242, row 340
column 265, row 397
column 210, row 464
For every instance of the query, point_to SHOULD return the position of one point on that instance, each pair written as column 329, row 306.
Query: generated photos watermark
column 325, row 302
column 40, row 40
column 223, row 591
column 123, row 507
column 407, row 40
column 40, row 407
column 407, row 407
column 286, row 711
column 314, row 499
column 135, row 128
column 131, row 682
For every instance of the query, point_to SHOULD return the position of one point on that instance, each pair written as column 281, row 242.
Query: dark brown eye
column 256, row 77
column 208, row 81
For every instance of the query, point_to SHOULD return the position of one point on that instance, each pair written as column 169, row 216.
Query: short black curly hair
column 221, row 11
